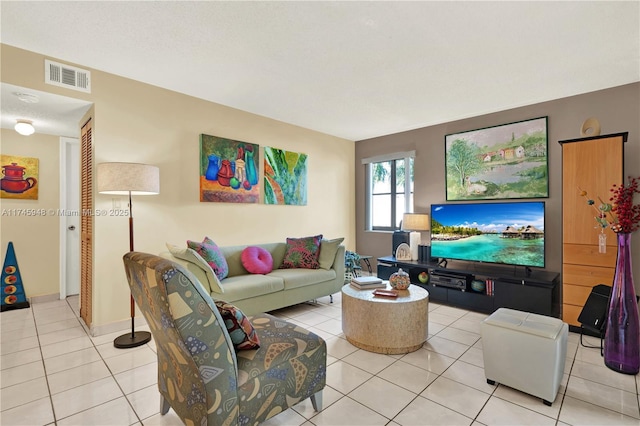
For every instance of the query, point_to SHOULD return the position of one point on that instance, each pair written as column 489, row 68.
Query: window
column 390, row 190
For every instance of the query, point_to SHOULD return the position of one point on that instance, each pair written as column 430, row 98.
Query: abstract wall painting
column 285, row 177
column 501, row 162
column 228, row 170
column 19, row 177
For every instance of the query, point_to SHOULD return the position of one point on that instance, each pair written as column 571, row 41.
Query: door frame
column 64, row 143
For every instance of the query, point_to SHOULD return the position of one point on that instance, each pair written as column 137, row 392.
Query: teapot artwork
column 14, row 184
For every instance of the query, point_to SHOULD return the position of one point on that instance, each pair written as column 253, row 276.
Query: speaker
column 399, row 237
column 424, row 255
column 594, row 311
column 593, row 316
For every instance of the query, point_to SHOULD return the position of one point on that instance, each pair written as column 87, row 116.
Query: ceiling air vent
column 67, row 76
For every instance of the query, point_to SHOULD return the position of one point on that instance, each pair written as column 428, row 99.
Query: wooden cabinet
column 593, row 164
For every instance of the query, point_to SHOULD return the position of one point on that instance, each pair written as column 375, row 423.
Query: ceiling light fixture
column 24, row 127
column 27, row 98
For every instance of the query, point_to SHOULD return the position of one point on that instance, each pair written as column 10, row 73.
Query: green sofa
column 254, row 293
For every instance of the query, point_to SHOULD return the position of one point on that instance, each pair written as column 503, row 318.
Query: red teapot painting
column 18, row 179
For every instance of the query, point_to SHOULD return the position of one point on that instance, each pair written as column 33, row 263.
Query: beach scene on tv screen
column 509, row 233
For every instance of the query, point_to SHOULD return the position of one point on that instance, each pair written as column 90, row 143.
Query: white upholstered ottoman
column 525, row 351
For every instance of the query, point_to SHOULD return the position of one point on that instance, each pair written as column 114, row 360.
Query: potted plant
column 351, row 263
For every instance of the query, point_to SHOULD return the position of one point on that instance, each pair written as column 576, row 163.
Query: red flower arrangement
column 621, row 214
column 628, row 214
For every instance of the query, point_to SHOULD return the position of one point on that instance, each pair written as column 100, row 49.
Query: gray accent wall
column 617, row 109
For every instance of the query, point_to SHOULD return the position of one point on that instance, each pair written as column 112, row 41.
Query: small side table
column 366, row 261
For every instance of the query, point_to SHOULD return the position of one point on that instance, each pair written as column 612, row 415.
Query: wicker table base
column 383, row 324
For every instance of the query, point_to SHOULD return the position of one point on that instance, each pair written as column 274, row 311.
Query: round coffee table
column 385, row 325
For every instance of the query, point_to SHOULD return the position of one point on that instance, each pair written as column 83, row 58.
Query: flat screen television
column 506, row 233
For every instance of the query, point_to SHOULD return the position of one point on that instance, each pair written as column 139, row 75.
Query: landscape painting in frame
column 228, row 170
column 19, row 177
column 285, row 177
column 502, row 162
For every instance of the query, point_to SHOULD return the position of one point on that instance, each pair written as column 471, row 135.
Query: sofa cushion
column 299, row 277
column 233, row 256
column 250, row 285
column 257, row 260
column 328, row 250
column 210, row 252
column 242, row 333
column 197, row 266
column 302, row 253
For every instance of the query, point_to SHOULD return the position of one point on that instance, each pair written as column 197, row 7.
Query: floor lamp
column 129, row 179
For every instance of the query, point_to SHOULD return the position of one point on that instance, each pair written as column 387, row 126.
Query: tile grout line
column 44, row 368
column 571, row 362
column 46, row 376
column 95, row 347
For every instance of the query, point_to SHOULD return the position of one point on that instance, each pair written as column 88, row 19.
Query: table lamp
column 416, row 223
column 129, row 179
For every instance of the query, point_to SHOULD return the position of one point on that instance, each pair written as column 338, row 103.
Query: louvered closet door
column 86, row 225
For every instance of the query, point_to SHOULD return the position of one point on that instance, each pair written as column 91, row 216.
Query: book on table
column 368, row 280
column 367, row 283
column 368, row 287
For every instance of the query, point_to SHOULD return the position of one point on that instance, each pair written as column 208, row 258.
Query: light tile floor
column 53, row 372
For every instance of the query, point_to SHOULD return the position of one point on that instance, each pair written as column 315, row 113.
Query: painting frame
column 285, row 177
column 21, row 180
column 229, row 170
column 506, row 161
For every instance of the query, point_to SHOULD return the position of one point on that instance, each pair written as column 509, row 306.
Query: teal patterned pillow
column 302, row 253
column 211, row 253
column 240, row 329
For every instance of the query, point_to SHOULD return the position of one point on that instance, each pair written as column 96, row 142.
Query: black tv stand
column 525, row 289
column 443, row 263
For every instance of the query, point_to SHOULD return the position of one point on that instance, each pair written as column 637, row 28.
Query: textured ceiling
column 350, row 69
column 51, row 114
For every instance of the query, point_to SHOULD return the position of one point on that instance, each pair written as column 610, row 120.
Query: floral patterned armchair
column 200, row 375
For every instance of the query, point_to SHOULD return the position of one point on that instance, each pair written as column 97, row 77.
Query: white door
column 70, row 219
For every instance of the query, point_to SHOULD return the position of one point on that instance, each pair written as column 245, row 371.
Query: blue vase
column 212, row 168
column 622, row 335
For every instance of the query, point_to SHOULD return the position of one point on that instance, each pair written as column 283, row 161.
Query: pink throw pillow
column 256, row 260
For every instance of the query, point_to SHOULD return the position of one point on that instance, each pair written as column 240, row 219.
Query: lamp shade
column 415, row 222
column 128, row 178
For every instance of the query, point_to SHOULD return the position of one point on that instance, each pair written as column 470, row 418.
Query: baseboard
column 45, row 298
column 114, row 327
column 94, row 331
